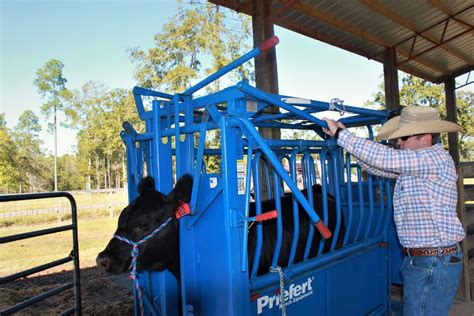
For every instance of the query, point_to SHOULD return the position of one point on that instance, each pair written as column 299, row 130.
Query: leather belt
column 416, row 252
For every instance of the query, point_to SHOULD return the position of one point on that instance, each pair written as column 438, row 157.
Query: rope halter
column 134, row 254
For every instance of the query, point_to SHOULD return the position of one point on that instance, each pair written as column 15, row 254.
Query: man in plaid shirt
column 424, row 201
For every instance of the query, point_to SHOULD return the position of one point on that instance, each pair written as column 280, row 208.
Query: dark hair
column 435, row 138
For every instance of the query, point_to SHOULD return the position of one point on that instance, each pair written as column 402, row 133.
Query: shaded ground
column 101, row 294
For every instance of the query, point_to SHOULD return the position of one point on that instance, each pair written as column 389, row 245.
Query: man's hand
column 333, row 126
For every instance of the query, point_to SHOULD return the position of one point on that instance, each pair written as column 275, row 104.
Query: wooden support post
column 265, row 64
column 390, row 74
column 265, row 71
column 449, row 90
column 465, row 212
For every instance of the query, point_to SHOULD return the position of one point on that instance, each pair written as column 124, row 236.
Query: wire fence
column 107, row 200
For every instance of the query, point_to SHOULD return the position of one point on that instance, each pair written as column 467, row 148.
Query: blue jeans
column 430, row 284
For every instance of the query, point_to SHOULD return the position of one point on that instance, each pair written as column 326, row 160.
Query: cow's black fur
column 151, row 208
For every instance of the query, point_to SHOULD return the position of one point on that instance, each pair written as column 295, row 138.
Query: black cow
column 152, row 208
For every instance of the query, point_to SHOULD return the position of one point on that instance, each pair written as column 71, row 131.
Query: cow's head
column 143, row 215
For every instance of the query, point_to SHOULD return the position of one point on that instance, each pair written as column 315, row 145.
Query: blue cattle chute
column 353, row 279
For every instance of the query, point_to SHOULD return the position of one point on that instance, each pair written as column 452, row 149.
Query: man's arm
column 376, row 172
column 382, row 157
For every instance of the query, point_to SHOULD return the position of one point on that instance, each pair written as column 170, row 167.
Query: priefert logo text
column 295, row 293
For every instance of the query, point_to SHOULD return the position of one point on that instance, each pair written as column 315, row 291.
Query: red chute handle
column 322, row 228
column 265, row 216
column 269, row 43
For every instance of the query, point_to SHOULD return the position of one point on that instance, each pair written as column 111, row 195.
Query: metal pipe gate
column 215, row 277
column 73, row 256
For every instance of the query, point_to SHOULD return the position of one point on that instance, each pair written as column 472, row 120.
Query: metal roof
column 433, row 39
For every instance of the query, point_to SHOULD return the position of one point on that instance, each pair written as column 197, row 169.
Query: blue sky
column 91, row 39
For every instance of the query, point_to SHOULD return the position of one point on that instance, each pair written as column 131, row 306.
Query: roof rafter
column 430, row 51
column 443, row 7
column 375, row 5
column 330, row 20
column 329, row 40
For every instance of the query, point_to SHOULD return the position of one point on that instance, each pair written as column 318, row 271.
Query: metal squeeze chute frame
column 354, row 279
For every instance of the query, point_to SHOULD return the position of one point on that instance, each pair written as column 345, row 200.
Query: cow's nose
column 102, row 261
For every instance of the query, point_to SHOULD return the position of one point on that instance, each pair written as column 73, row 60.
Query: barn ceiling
column 433, row 39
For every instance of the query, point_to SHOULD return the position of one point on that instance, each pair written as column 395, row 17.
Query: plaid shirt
column 425, row 194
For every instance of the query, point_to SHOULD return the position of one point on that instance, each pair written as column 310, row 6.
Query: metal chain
column 283, row 296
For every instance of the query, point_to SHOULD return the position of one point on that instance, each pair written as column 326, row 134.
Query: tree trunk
column 97, row 173
column 89, row 179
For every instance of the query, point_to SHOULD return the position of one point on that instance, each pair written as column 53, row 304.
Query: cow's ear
column 183, row 189
column 146, row 184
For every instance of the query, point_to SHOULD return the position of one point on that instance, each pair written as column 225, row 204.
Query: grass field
column 94, row 235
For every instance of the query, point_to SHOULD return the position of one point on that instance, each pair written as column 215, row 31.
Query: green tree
column 9, row 173
column 30, row 161
column 465, row 112
column 69, row 173
column 52, row 86
column 195, row 37
column 98, row 113
column 416, row 91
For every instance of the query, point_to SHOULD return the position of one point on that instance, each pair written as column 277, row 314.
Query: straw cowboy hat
column 416, row 120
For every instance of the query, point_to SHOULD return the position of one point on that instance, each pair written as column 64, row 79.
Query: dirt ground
column 101, row 294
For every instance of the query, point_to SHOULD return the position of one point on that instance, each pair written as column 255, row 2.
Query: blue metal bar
column 155, row 147
column 361, row 202
column 282, row 157
column 247, row 126
column 245, row 87
column 148, row 303
column 258, row 211
column 139, row 170
column 130, row 153
column 296, row 222
column 296, row 143
column 234, row 64
column 230, row 93
column 268, row 181
column 276, row 252
column 309, row 187
column 282, row 125
column 270, row 279
column 361, row 120
column 279, row 116
column 337, row 191
column 147, row 147
column 245, row 234
column 349, row 198
column 381, row 206
column 324, row 193
column 304, row 173
column 138, row 92
column 370, row 189
column 176, row 135
column 324, row 106
column 197, row 168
